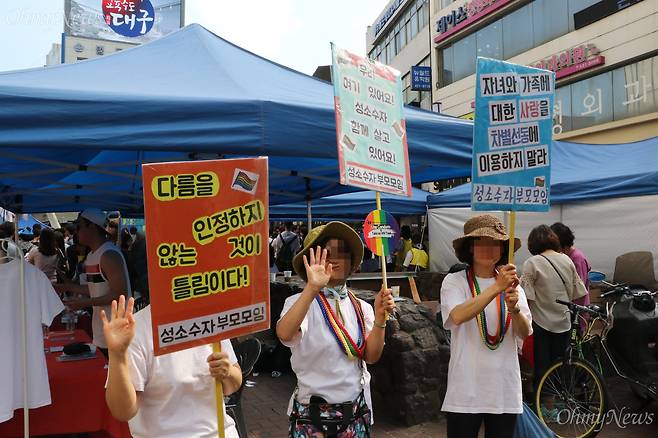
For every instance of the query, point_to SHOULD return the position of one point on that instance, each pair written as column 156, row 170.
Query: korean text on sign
column 512, row 139
column 370, row 127
column 208, row 271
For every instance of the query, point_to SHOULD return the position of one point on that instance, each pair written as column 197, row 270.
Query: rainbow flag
column 243, row 181
column 380, row 232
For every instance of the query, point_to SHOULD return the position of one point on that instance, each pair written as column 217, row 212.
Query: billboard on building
column 131, row 21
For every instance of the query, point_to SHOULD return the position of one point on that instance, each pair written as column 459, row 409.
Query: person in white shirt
column 168, row 396
column 331, row 333
column 486, row 313
column 45, row 256
column 105, row 271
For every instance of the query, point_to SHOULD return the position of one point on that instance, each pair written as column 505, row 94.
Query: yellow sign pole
column 512, row 230
column 219, row 396
column 382, row 257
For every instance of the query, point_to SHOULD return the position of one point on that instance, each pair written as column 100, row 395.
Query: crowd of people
column 410, row 252
column 86, row 263
column 487, row 306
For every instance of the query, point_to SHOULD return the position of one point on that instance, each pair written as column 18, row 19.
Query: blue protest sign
column 512, row 138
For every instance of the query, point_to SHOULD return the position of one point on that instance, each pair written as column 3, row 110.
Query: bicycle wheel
column 571, row 399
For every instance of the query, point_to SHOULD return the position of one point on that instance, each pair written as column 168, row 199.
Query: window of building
column 464, row 54
column 489, row 41
column 517, row 23
column 627, row 91
column 400, row 33
column 445, row 3
column 562, row 110
column 633, row 92
column 591, row 101
column 424, row 14
column 447, row 67
column 413, row 25
column 550, row 19
column 401, row 38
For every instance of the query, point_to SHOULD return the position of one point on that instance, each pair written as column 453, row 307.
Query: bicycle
column 572, row 396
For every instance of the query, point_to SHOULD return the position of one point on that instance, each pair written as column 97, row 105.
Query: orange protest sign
column 207, row 245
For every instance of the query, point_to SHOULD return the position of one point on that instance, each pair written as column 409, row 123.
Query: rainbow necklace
column 353, row 350
column 491, row 341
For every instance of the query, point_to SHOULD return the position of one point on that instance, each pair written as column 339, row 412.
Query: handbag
column 528, row 425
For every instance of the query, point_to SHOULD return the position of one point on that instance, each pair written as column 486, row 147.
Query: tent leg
column 309, row 216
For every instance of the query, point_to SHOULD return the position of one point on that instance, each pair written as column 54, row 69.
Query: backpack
column 286, row 254
column 272, row 254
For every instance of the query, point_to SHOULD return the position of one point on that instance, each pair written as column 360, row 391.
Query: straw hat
column 335, row 230
column 484, row 225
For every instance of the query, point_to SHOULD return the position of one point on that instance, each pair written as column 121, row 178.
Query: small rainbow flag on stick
column 381, row 232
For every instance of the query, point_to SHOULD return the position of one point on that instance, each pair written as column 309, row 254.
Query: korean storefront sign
column 207, row 239
column 421, row 78
column 465, row 16
column 573, row 60
column 512, row 137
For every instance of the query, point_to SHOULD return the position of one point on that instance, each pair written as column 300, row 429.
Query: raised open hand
column 318, row 271
column 119, row 332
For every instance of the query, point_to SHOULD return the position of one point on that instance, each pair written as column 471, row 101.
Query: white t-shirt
column 321, row 366
column 480, row 380
column 48, row 264
column 42, row 305
column 177, row 391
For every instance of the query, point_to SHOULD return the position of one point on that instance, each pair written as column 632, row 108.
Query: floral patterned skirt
column 331, row 417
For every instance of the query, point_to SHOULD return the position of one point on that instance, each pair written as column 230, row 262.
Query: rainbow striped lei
column 491, row 341
column 353, row 350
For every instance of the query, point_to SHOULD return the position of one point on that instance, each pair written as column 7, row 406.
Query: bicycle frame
column 576, row 343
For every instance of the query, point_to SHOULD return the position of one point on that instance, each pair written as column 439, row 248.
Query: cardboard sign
column 371, row 132
column 512, row 137
column 207, row 237
column 381, row 232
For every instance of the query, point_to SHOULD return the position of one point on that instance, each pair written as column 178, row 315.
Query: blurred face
column 487, row 251
column 84, row 231
column 340, row 257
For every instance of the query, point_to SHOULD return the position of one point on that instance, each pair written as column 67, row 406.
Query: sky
column 295, row 33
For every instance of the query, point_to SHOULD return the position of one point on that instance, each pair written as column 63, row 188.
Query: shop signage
column 421, row 78
column 465, row 16
column 599, row 11
column 379, row 25
column 572, row 61
column 79, row 48
column 130, row 18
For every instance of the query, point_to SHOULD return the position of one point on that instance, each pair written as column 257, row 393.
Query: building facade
column 94, row 28
column 604, row 54
column 400, row 37
column 74, row 49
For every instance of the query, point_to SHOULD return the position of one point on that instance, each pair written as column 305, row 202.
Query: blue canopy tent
column 26, row 223
column 76, row 135
column 582, row 172
column 353, row 206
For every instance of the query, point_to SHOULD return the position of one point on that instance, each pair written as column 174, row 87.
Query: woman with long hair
column 45, row 256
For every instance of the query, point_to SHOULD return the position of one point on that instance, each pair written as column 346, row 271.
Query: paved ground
column 265, row 405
